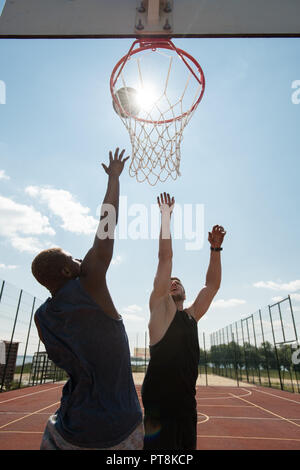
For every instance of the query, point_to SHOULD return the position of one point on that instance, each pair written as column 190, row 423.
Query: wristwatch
column 216, row 249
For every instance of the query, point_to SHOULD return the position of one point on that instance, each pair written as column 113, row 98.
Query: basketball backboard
column 134, row 18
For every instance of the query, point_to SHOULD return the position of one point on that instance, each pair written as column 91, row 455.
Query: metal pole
column 246, row 364
column 237, row 339
column 145, row 351
column 2, row 287
column 205, row 364
column 250, row 351
column 296, row 337
column 264, row 343
column 229, row 352
column 27, row 340
column 212, row 344
column 224, row 349
column 258, row 368
column 11, row 339
column 276, row 352
column 282, row 327
column 235, row 359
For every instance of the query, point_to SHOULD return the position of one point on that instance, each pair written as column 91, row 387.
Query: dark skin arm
column 96, row 262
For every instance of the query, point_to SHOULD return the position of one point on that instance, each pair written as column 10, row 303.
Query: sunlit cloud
column 74, row 216
column 22, row 225
column 221, row 303
column 291, row 286
column 3, row 175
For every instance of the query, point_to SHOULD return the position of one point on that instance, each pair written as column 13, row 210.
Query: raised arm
column 162, row 281
column 213, row 275
column 98, row 258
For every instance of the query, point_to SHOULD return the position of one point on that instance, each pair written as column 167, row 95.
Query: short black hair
column 47, row 265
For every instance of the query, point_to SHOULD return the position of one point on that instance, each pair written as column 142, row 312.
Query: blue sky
column 240, row 163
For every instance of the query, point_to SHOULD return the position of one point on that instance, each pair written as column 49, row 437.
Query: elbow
column 214, row 288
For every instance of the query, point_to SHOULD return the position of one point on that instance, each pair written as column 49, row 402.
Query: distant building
column 142, row 353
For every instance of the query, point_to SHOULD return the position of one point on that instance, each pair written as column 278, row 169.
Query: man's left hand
column 116, row 164
column 216, row 236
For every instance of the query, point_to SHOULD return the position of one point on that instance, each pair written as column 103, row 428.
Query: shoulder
column 163, row 305
column 162, row 314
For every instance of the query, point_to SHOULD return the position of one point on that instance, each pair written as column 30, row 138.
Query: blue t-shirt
column 99, row 405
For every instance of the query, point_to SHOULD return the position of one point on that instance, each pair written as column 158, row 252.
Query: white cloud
column 131, row 313
column 75, row 217
column 21, row 222
column 295, row 297
column 29, row 244
column 3, row 176
column 221, row 303
column 132, row 318
column 277, row 298
column 132, row 309
column 7, row 266
column 117, row 260
column 291, row 286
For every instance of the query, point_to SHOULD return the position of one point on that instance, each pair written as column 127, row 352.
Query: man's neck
column 179, row 305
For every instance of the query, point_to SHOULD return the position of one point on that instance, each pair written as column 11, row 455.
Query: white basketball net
column 156, row 127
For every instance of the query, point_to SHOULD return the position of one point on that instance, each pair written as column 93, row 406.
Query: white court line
column 28, row 415
column 277, row 396
column 206, row 418
column 22, row 432
column 18, row 413
column 248, row 438
column 228, row 406
column 29, row 394
column 225, row 397
column 268, row 411
column 249, row 417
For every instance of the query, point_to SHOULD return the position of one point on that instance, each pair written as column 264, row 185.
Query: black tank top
column 170, row 381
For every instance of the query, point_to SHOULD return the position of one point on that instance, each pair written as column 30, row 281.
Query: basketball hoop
column 155, row 121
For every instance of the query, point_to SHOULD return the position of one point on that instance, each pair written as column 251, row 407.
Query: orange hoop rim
column 156, row 43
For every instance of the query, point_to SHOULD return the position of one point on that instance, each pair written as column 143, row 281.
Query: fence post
column 145, row 351
column 235, row 359
column 264, row 343
column 11, row 339
column 258, row 366
column 2, row 287
column 250, row 349
column 246, row 364
column 296, row 337
column 27, row 340
column 276, row 352
column 205, row 359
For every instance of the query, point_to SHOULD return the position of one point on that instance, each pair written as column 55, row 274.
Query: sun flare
column 146, row 98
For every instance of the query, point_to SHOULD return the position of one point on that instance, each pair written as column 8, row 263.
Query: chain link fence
column 262, row 348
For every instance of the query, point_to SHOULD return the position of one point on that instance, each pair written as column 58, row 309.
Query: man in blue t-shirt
column 84, row 334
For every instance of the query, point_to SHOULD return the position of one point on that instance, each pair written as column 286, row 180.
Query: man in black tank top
column 169, row 387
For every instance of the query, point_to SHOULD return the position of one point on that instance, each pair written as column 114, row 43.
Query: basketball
column 127, row 99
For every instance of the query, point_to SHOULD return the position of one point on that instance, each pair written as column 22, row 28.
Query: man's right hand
column 116, row 164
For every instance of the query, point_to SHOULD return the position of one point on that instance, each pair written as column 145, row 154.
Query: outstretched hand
column 116, row 164
column 166, row 203
column 216, row 236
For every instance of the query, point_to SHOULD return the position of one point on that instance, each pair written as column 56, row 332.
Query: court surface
column 229, row 417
